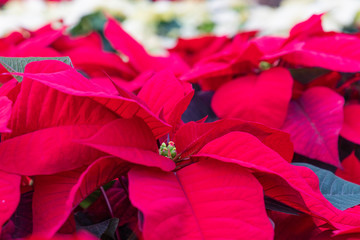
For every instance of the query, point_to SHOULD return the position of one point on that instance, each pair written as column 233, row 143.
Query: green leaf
column 307, row 75
column 206, row 27
column 95, row 195
column 94, row 21
column 103, row 230
column 342, row 194
column 14, row 64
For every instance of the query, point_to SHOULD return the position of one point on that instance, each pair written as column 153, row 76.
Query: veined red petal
column 206, row 200
column 263, row 99
column 314, row 122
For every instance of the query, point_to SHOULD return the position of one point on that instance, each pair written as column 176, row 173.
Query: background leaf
column 342, row 194
column 22, row 217
column 103, row 230
column 14, row 64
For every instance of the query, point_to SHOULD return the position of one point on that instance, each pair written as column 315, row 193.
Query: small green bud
column 168, row 151
column 173, row 152
column 263, row 65
column 164, row 152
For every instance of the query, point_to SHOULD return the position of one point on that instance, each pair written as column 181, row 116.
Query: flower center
column 168, row 151
column 263, row 65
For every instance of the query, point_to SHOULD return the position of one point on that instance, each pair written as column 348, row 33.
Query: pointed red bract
column 262, row 98
column 192, row 50
column 212, row 72
column 305, row 47
column 314, row 122
column 130, row 140
column 167, row 96
column 128, row 46
column 340, row 53
column 48, row 151
column 66, row 42
column 311, row 26
column 5, row 113
column 74, row 85
column 95, row 62
column 191, row 137
column 351, row 127
column 55, row 196
column 207, row 200
column 295, row 186
column 40, row 42
column 138, row 57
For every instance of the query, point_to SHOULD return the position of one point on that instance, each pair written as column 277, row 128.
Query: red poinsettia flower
column 45, row 135
column 138, row 57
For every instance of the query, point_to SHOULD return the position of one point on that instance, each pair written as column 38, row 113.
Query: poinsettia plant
column 248, row 138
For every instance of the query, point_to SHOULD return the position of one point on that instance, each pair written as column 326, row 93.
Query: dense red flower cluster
column 68, row 130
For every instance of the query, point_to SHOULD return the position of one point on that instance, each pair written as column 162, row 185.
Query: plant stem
column 110, row 210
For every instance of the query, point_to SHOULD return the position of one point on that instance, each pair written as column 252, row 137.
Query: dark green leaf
column 92, row 22
column 168, row 28
column 306, row 75
column 342, row 194
column 103, row 230
column 94, row 196
column 14, row 64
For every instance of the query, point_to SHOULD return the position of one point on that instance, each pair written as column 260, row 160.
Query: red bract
column 238, row 58
column 262, row 98
column 138, row 57
column 314, row 122
column 193, row 50
column 296, row 186
column 191, row 137
column 207, row 200
column 167, row 97
column 304, row 47
column 58, row 121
